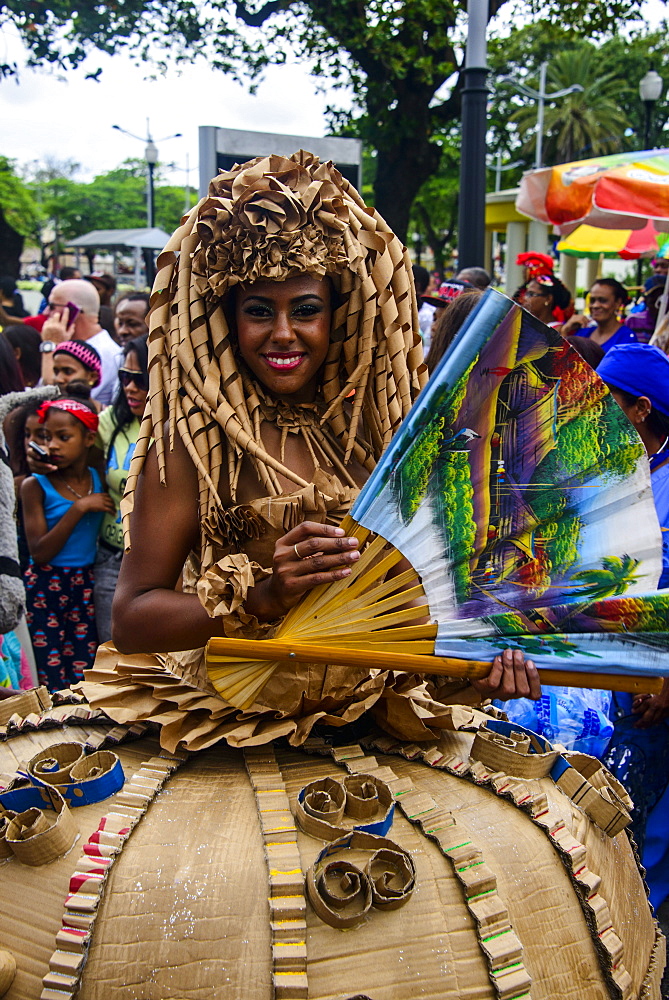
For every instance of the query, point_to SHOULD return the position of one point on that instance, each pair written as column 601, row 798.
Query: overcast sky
column 44, row 116
column 71, row 119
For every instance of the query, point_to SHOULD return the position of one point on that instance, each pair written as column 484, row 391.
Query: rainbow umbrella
column 623, row 191
column 630, row 244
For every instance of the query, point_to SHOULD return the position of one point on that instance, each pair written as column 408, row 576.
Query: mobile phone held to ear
column 72, row 313
column 38, row 452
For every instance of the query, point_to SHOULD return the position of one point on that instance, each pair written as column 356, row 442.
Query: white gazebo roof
column 149, row 239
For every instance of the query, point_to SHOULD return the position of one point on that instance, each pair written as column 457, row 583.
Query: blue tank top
column 80, row 548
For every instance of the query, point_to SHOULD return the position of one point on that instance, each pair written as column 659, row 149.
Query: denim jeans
column 106, row 570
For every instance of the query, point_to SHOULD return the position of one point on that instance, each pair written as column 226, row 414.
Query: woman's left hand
column 652, row 708
column 511, row 676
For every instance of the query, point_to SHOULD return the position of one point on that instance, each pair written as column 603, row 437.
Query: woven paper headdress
column 274, row 218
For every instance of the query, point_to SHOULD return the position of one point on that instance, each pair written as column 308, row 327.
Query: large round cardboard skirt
column 194, row 907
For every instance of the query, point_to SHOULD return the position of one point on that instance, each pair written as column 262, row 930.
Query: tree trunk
column 436, row 242
column 11, row 248
column 403, row 167
column 401, row 135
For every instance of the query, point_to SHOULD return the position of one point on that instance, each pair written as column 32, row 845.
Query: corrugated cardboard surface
column 433, row 936
column 185, row 911
column 32, row 899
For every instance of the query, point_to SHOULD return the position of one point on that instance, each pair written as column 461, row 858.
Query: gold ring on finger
column 297, row 553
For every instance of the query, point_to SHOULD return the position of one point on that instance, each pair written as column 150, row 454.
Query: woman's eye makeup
column 302, row 310
column 256, row 309
column 307, row 309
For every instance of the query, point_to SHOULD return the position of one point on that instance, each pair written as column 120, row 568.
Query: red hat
column 536, row 263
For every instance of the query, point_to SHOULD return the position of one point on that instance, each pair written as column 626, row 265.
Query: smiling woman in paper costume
column 282, row 359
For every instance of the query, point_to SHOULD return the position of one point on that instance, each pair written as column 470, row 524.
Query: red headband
column 71, row 406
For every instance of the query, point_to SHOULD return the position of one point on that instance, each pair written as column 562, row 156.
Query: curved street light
column 496, row 165
column 541, row 96
column 650, row 90
column 151, row 158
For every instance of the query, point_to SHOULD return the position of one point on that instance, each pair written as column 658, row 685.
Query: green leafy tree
column 434, row 214
column 589, row 121
column 629, row 57
column 414, row 475
column 400, row 61
column 113, row 200
column 619, row 443
column 622, row 56
column 19, row 217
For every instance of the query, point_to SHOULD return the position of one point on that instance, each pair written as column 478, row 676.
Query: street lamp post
column 496, row 165
column 540, row 96
column 151, row 157
column 499, row 169
column 471, row 210
column 650, row 88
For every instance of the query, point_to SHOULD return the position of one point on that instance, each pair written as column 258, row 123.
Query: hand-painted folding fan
column 520, row 494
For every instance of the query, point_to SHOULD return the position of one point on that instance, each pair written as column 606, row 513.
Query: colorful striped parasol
column 623, row 191
column 629, row 244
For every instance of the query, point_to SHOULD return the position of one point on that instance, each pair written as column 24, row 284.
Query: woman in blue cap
column 638, row 377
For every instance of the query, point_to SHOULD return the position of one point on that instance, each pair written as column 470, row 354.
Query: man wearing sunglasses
column 73, row 311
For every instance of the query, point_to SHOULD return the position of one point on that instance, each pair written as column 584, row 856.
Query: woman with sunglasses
column 117, row 436
column 547, row 298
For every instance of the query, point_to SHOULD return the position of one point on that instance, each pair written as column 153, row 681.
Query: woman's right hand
column 305, row 557
column 574, row 325
column 95, row 502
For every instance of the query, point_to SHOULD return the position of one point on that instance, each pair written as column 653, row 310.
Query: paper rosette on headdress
column 520, row 494
column 274, row 218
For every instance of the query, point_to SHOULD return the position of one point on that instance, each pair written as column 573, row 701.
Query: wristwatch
column 47, row 347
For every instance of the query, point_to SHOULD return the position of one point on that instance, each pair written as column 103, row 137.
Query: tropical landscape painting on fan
column 520, row 495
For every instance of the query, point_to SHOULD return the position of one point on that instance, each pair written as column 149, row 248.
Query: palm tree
column 582, row 124
column 612, row 580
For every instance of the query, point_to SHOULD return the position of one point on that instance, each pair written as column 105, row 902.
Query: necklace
column 71, row 488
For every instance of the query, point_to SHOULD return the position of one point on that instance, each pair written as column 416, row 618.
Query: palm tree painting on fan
column 509, row 488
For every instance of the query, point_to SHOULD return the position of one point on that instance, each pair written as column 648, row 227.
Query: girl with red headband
column 62, row 511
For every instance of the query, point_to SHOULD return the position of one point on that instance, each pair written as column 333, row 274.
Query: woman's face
column 67, row 369
column 603, row 303
column 538, row 300
column 130, row 320
column 135, row 391
column 283, row 331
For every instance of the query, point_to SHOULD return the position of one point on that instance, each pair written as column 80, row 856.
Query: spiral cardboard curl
column 275, row 218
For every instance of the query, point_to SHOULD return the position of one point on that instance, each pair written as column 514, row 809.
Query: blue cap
column 640, row 369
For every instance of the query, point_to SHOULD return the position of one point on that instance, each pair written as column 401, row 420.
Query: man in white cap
column 81, row 323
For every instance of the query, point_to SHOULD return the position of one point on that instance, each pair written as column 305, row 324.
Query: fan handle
column 274, row 649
